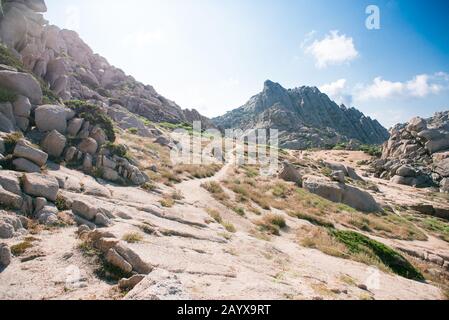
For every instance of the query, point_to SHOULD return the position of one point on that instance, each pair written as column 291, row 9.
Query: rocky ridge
column 305, row 118
column 73, row 71
column 417, row 153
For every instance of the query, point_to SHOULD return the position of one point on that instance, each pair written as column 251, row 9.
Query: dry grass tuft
column 132, row 237
column 272, row 223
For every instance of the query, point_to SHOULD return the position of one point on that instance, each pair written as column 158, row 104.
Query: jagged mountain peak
column 305, row 116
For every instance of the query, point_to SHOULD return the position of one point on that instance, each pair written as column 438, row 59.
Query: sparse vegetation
column 175, row 126
column 215, row 215
column 216, row 190
column 149, row 186
column 94, row 115
column 240, row 211
column 229, row 227
column 357, row 243
column 19, row 249
column 437, row 226
column 11, row 141
column 61, row 203
column 118, row 150
column 315, row 220
column 272, row 223
column 7, row 95
column 7, row 58
column 372, row 150
column 198, row 171
column 132, row 237
column 167, row 202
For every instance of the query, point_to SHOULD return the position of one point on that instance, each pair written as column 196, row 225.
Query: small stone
column 104, row 244
column 84, row 209
column 101, row 220
column 24, row 165
column 117, row 260
column 338, row 176
column 39, row 204
column 70, row 154
column 129, row 284
column 87, row 163
column 5, row 255
column 74, row 126
column 54, row 143
column 10, row 200
column 39, row 185
column 89, row 146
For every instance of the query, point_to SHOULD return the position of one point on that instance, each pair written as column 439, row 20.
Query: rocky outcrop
column 51, row 117
column 342, row 193
column 305, row 118
column 10, row 226
column 72, row 70
column 115, row 252
column 159, row 285
column 417, row 154
column 39, row 185
column 22, row 84
column 290, row 173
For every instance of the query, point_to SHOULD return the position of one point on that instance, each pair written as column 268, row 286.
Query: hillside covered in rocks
column 305, row 118
column 72, row 71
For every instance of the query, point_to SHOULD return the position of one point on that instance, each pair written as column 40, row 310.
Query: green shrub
column 133, row 130
column 317, row 221
column 7, row 58
column 340, row 146
column 358, row 243
column 240, row 211
column 94, row 115
column 372, row 150
column 118, row 150
column 61, row 203
column 7, row 95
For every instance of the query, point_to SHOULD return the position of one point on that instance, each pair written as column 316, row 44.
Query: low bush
column 357, row 243
column 11, row 141
column 94, row 115
column 7, row 95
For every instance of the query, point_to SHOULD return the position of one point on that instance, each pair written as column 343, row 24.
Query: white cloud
column 337, row 91
column 420, row 86
column 334, row 49
column 380, row 89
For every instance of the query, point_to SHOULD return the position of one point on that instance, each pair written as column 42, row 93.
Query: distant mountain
column 305, row 118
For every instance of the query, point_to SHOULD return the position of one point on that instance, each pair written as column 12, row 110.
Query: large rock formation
column 72, row 70
column 305, row 118
column 417, row 153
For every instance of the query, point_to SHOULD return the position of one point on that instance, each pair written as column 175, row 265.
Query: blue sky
column 214, row 55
